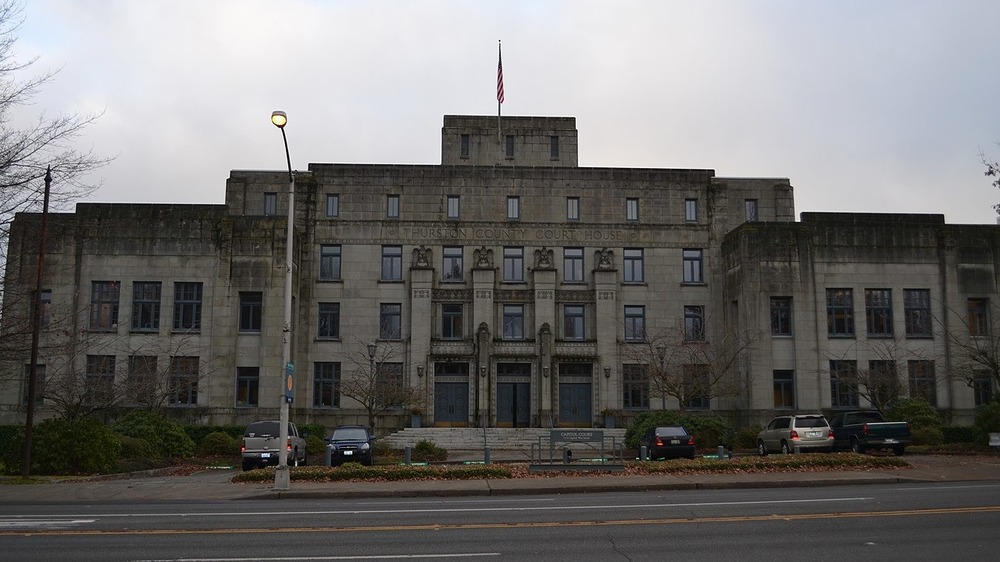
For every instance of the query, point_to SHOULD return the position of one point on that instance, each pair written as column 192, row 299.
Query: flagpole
column 499, row 95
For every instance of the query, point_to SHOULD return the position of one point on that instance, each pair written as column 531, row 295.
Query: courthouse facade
column 508, row 286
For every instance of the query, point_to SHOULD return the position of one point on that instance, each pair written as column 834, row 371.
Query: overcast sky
column 866, row 106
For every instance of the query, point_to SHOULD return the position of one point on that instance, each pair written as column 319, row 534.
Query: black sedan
column 351, row 443
column 669, row 442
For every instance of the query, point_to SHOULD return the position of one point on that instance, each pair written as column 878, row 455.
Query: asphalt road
column 892, row 522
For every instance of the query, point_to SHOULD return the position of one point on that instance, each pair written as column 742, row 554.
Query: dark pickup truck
column 867, row 429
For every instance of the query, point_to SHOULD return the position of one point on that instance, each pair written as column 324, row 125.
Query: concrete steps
column 471, row 438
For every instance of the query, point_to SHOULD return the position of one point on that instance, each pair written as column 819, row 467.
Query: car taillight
column 829, row 434
column 793, row 434
column 289, row 444
column 243, row 449
column 864, row 429
column 659, row 442
column 691, row 440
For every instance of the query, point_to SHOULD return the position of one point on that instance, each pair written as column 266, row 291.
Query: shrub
column 708, row 431
column 987, row 421
column 165, row 435
column 959, row 433
column 428, row 451
column 197, row 433
column 70, row 447
column 136, row 454
column 928, row 436
column 315, row 448
column 917, row 411
column 746, row 438
column 218, row 443
column 311, row 429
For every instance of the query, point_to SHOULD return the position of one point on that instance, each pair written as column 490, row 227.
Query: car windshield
column 349, row 434
column 671, row 431
column 813, row 421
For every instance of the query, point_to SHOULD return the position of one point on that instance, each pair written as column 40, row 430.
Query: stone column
column 483, row 317
column 422, row 315
column 609, row 323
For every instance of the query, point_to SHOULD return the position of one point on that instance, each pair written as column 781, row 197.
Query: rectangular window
column 145, row 306
column 251, row 306
column 392, row 263
column 693, row 266
column 694, row 323
column 332, row 205
column 328, row 316
column 389, row 381
column 572, row 208
column 463, row 150
column 843, row 390
column 390, row 321
column 784, row 390
column 453, row 208
column 45, row 304
column 510, row 146
column 554, row 147
column 633, row 267
column 39, row 384
column 839, row 313
column 326, row 384
column 141, row 381
column 878, row 312
column 573, row 265
column 452, row 268
column 270, row 204
column 247, row 386
column 451, row 321
column 329, row 262
column 392, row 206
column 697, row 391
column 104, row 306
column 750, row 205
column 982, row 388
column 690, row 210
column 573, row 322
column 631, row 209
column 513, row 321
column 917, row 313
column 513, row 264
column 187, row 306
column 781, row 316
column 979, row 317
column 513, row 207
column 183, row 384
column 635, row 323
column 635, row 387
column 99, row 387
column 923, row 383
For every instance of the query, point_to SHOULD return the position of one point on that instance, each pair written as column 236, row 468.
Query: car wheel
column 899, row 450
column 249, row 465
column 785, row 449
column 761, row 448
column 857, row 447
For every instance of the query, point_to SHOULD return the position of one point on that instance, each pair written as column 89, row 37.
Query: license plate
column 675, row 441
column 812, row 434
column 265, row 455
column 348, row 453
column 891, row 441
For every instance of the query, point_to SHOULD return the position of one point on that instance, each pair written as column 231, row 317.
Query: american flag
column 499, row 76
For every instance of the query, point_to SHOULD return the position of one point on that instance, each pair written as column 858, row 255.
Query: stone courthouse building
column 508, row 286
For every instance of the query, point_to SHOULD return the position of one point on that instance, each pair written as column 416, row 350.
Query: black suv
column 351, row 443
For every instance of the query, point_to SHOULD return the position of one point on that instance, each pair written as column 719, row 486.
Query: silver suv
column 795, row 434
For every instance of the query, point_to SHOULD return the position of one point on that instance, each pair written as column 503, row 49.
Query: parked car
column 794, row 434
column 867, row 429
column 668, row 442
column 351, row 443
column 261, row 442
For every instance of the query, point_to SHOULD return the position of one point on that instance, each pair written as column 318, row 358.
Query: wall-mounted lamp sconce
column 420, row 371
column 482, row 370
column 545, row 372
column 607, row 372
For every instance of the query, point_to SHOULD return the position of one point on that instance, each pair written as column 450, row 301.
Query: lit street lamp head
column 279, row 119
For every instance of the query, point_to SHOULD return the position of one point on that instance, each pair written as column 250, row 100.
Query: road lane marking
column 519, row 525
column 368, row 557
column 23, row 523
column 615, row 507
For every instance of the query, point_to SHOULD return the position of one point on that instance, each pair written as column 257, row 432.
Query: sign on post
column 289, row 382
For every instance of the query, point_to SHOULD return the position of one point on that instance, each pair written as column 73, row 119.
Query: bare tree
column 992, row 171
column 879, row 381
column 376, row 379
column 683, row 364
column 975, row 347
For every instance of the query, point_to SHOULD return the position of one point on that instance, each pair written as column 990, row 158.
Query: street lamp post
column 282, row 478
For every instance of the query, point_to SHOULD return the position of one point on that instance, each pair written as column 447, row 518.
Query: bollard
column 567, row 456
column 722, row 452
column 642, row 453
column 328, row 455
column 486, row 455
column 406, row 455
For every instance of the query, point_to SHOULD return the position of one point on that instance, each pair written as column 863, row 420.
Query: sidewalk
column 216, row 484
